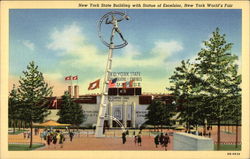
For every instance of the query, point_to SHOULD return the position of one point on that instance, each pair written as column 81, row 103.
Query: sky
column 65, row 42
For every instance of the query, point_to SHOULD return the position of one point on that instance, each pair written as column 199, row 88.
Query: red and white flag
column 68, row 78
column 131, row 83
column 94, row 85
column 54, row 104
column 75, row 78
column 124, row 85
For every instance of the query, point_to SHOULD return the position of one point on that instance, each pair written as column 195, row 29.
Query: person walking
column 45, row 134
column 123, row 138
column 156, row 139
column 24, row 135
column 135, row 139
column 166, row 140
column 71, row 135
column 209, row 134
column 62, row 139
column 161, row 139
column 54, row 139
column 49, row 139
column 29, row 134
column 139, row 139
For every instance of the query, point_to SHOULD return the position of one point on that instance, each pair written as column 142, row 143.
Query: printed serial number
column 233, row 153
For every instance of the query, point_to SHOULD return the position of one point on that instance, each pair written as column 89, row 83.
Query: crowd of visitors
column 53, row 137
column 137, row 138
column 163, row 140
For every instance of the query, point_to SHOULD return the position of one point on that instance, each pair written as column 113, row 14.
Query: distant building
column 127, row 105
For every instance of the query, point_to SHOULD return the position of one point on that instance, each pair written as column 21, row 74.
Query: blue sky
column 64, row 42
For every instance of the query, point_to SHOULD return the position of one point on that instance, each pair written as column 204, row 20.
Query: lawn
column 228, row 147
column 17, row 132
column 23, row 147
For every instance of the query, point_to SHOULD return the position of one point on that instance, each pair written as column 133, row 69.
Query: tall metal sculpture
column 112, row 18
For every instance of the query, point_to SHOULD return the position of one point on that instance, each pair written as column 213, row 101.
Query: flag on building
column 131, row 83
column 94, row 85
column 68, row 78
column 54, row 104
column 124, row 85
column 75, row 78
column 112, row 83
column 127, row 84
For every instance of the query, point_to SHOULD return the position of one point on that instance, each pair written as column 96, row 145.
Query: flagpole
column 72, row 89
column 77, row 80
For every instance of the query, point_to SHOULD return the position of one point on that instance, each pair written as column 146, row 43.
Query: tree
column 209, row 89
column 160, row 113
column 214, row 66
column 170, row 111
column 234, row 98
column 152, row 115
column 33, row 91
column 186, row 88
column 13, row 108
column 70, row 112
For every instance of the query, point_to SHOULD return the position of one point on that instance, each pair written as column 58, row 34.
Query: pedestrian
column 24, row 135
column 139, row 139
column 45, row 133
column 71, row 135
column 54, row 139
column 161, row 139
column 209, row 134
column 196, row 132
column 166, row 140
column 49, row 139
column 127, row 132
column 41, row 136
column 156, row 139
column 123, row 138
column 135, row 139
column 62, row 139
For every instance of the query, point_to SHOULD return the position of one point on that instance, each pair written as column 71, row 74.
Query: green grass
column 17, row 132
column 227, row 147
column 23, row 147
column 226, row 132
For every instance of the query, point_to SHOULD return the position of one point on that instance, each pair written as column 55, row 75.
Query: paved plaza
column 113, row 141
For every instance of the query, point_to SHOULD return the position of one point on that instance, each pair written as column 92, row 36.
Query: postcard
column 124, row 79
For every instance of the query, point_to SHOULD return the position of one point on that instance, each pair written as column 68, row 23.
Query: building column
column 124, row 114
column 133, row 114
column 76, row 91
column 110, row 114
column 70, row 90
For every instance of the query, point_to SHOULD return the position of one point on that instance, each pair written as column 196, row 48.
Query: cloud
column 131, row 51
column 67, row 39
column 166, row 49
column 28, row 44
column 156, row 57
column 71, row 42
